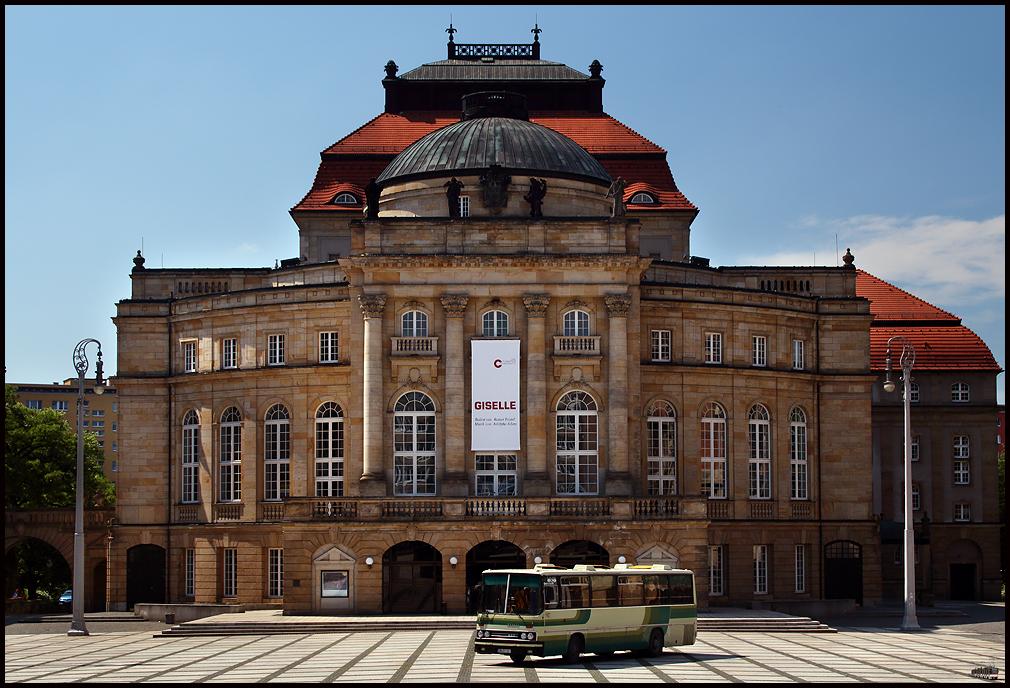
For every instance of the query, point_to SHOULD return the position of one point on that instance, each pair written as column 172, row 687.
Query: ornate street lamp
column 909, row 622
column 81, row 365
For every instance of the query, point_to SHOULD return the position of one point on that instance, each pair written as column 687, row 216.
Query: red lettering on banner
column 494, row 405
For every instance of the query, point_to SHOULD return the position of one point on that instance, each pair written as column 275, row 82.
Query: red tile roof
column 941, row 342
column 365, row 153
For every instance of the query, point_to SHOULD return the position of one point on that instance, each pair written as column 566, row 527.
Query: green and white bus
column 550, row 610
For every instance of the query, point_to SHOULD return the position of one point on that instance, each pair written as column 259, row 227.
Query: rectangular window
column 190, row 464
column 797, row 354
column 760, row 351
column 464, row 206
column 715, row 570
column 662, row 466
column 275, row 575
column 229, row 353
column 190, row 573
column 98, row 424
column 960, row 392
column 61, row 406
column 230, row 578
column 275, row 349
column 962, row 453
column 962, row 473
column 86, row 423
column 113, row 446
column 760, row 464
column 34, row 404
column 660, row 345
column 230, row 488
column 801, row 568
column 713, row 458
column 915, row 448
column 760, row 569
column 327, row 347
column 713, row 347
column 113, row 427
column 915, row 498
column 962, row 512
column 189, row 357
column 98, row 413
column 496, row 474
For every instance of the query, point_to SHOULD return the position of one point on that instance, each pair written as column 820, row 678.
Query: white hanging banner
column 494, row 394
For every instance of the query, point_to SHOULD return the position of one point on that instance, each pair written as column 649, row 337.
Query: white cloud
column 947, row 261
column 248, row 248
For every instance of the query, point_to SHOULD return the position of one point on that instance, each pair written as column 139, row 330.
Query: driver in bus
column 521, row 602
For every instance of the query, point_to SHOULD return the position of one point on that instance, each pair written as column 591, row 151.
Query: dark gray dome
column 472, row 146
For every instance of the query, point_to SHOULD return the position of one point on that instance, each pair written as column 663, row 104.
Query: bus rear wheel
column 575, row 647
column 655, row 643
column 517, row 656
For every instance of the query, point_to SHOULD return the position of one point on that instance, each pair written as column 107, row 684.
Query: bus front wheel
column 575, row 647
column 655, row 643
column 517, row 656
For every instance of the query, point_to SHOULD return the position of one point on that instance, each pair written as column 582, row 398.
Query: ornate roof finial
column 595, row 69
column 536, row 31
column 391, row 70
column 451, row 31
column 848, row 258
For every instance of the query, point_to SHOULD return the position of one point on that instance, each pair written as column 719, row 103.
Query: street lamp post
column 77, row 626
column 909, row 622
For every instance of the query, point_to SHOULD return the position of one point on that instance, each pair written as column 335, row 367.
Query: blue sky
column 191, row 131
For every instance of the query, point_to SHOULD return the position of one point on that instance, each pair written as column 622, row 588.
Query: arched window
column 798, row 453
column 345, row 199
column 230, row 460
column 960, row 392
column 662, row 459
column 495, row 324
column 760, row 465
column 642, row 198
column 414, row 324
column 576, row 324
column 329, row 451
column 713, row 451
column 190, row 457
column 414, row 445
column 277, row 454
column 578, row 459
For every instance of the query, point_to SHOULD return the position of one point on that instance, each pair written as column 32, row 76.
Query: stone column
column 373, row 479
column 454, row 480
column 618, row 477
column 536, row 482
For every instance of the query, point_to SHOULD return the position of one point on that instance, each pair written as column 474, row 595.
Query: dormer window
column 345, row 199
column 643, row 199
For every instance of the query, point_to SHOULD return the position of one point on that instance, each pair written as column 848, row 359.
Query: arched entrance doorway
column 843, row 571
column 412, row 579
column 36, row 571
column 574, row 552
column 145, row 575
column 965, row 560
column 490, row 554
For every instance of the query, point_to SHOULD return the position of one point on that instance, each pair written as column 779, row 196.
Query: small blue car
column 67, row 597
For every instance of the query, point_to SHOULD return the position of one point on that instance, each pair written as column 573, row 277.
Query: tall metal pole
column 909, row 622
column 77, row 626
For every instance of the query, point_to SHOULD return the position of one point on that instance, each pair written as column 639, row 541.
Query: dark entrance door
column 491, row 554
column 843, row 571
column 580, row 552
column 145, row 575
column 412, row 579
column 962, row 581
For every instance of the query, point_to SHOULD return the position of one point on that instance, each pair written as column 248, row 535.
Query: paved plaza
column 854, row 654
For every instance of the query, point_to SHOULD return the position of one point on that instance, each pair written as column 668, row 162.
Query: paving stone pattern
column 446, row 656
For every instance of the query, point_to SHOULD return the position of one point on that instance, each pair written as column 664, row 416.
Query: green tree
column 40, row 460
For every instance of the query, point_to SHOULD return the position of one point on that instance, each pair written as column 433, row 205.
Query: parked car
column 67, row 598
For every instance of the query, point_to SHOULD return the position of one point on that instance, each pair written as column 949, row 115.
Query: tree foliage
column 40, row 460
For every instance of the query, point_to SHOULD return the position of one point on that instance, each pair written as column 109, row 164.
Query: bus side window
column 574, row 592
column 657, row 589
column 651, row 589
column 681, row 591
column 604, row 591
column 630, row 588
column 550, row 596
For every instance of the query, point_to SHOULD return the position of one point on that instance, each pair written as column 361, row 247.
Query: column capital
column 618, row 305
column 372, row 305
column 536, row 304
column 454, row 304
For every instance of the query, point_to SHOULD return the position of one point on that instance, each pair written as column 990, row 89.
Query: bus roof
column 543, row 569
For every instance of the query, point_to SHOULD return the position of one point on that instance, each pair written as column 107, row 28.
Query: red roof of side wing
column 941, row 342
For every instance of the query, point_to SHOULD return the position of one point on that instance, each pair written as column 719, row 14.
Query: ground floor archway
column 490, row 554
column 573, row 552
column 145, row 575
column 843, row 571
column 412, row 579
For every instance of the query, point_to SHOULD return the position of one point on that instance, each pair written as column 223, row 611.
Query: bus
column 550, row 610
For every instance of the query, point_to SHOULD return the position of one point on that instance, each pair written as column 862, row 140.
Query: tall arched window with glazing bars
column 713, row 451
column 277, row 454
column 760, row 464
column 190, row 457
column 329, row 450
column 577, row 444
column 230, row 458
column 414, row 445
column 798, row 454
column 661, row 428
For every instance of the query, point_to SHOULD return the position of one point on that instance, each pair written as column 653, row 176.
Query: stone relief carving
column 536, row 304
column 372, row 305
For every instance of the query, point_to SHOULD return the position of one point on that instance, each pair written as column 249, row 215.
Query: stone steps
column 722, row 625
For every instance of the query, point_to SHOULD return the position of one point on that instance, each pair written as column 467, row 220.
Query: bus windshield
column 511, row 593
